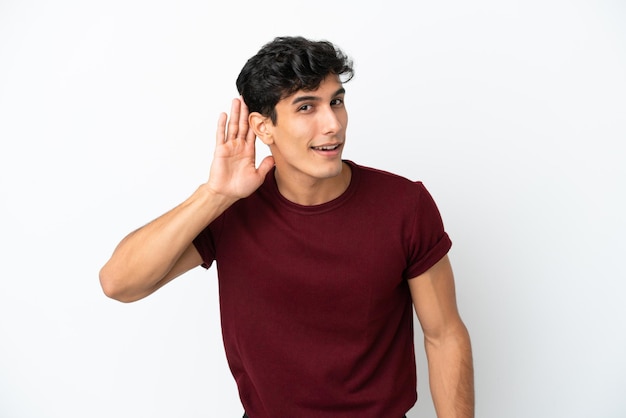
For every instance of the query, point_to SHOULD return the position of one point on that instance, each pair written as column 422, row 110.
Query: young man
column 320, row 260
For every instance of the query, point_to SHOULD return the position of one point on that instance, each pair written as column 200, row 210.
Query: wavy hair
column 286, row 65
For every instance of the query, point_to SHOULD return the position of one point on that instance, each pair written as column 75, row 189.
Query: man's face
column 310, row 131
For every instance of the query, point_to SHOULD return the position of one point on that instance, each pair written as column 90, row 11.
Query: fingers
column 233, row 122
column 220, row 135
column 244, row 127
column 237, row 126
column 238, row 122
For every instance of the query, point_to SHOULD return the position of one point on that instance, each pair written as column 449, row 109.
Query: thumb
column 266, row 165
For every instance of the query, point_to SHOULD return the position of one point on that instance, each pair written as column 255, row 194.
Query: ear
column 262, row 127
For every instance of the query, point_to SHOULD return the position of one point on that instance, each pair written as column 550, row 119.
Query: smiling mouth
column 327, row 147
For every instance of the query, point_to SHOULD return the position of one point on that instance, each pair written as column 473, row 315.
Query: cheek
column 297, row 137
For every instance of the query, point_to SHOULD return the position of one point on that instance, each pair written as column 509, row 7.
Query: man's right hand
column 233, row 171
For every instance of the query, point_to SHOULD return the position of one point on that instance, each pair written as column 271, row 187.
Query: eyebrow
column 315, row 98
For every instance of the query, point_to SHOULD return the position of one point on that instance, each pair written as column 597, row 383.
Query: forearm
column 451, row 374
column 144, row 258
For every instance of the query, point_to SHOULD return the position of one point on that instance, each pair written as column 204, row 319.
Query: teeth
column 327, row 148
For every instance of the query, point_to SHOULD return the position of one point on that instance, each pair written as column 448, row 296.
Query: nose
column 331, row 123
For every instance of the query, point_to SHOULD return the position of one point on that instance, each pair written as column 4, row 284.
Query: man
column 320, row 260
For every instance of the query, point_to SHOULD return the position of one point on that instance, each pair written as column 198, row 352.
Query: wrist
column 212, row 198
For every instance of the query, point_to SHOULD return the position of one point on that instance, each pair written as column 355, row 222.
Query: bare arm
column 156, row 253
column 447, row 342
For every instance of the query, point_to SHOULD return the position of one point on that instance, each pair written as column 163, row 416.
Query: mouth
column 326, row 147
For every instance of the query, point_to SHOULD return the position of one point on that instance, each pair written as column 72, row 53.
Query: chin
column 331, row 170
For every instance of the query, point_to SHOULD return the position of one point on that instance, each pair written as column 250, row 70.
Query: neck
column 309, row 192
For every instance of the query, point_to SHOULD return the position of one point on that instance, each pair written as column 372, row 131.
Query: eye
column 305, row 108
column 336, row 102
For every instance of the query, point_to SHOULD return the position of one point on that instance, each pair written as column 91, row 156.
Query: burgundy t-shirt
column 316, row 311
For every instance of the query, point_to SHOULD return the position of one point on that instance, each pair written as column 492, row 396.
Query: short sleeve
column 428, row 241
column 205, row 244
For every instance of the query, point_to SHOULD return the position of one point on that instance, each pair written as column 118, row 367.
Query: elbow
column 114, row 287
column 455, row 333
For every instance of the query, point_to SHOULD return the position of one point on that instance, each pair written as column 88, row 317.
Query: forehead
column 330, row 87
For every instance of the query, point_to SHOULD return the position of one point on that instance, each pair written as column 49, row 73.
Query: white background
column 512, row 113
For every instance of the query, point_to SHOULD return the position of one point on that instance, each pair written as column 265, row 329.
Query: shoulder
column 394, row 193
column 386, row 182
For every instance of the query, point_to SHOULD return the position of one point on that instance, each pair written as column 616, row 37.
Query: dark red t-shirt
column 316, row 313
